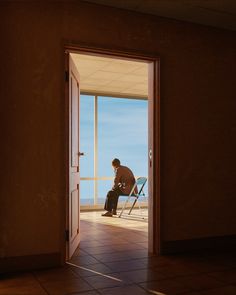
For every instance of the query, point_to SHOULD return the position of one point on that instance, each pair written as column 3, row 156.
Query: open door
column 73, row 238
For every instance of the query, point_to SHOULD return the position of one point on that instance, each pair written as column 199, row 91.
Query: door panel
column 74, row 121
column 74, row 177
column 74, row 214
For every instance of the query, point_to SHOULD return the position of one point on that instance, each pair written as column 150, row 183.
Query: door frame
column 154, row 203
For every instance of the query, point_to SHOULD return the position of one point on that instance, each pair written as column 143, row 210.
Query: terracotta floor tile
column 113, row 241
column 142, row 275
column 80, row 252
column 156, row 261
column 100, row 250
column 192, row 293
column 168, row 287
column 223, row 259
column 121, row 255
column 106, row 281
column 228, row 276
column 91, row 270
column 125, row 265
column 129, row 246
column 54, row 274
column 125, row 290
column 176, row 270
column 14, row 280
column 84, row 260
column 227, row 290
column 31, row 289
column 111, row 257
column 204, row 265
column 66, row 287
column 200, row 282
column 143, row 244
column 94, row 292
column 85, row 243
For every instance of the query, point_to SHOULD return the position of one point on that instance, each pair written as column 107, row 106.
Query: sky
column 122, row 134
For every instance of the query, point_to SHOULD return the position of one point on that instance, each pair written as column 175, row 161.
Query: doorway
column 73, row 91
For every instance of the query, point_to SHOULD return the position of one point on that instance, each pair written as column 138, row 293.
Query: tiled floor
column 113, row 259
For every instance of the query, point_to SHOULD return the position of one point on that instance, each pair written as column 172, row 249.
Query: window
column 86, row 142
column 122, row 133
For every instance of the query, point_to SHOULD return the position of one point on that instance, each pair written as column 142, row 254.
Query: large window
column 86, row 143
column 87, row 135
column 110, row 128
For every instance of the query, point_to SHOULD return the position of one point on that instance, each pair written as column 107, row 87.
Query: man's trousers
column 112, row 199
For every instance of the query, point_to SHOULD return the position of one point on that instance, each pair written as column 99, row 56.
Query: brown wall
column 198, row 122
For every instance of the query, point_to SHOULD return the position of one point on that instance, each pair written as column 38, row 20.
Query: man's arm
column 117, row 179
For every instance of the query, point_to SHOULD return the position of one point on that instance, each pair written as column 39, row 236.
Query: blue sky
column 122, row 133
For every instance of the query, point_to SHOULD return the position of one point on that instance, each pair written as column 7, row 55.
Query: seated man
column 123, row 184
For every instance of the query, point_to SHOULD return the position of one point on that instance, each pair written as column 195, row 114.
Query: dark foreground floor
column 113, row 259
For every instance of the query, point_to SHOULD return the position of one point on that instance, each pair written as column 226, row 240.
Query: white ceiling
column 117, row 77
column 216, row 13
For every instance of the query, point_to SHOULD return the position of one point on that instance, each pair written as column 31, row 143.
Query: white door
column 74, row 174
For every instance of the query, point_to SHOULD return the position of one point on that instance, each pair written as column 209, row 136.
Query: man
column 123, row 184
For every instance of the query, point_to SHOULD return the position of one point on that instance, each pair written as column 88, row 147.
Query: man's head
column 115, row 163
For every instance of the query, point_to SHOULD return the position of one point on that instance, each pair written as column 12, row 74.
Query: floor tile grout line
column 80, row 277
column 40, row 283
column 112, row 287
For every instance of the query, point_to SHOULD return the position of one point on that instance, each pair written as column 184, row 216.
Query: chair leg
column 132, row 206
column 123, row 208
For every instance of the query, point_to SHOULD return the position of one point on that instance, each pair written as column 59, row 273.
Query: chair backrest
column 140, row 182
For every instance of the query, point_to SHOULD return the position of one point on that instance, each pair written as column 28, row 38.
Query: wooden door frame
column 154, row 221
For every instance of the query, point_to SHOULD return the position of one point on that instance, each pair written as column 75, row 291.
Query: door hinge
column 67, row 76
column 67, row 235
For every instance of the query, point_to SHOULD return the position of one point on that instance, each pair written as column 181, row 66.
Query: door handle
column 150, row 158
column 150, row 154
column 80, row 154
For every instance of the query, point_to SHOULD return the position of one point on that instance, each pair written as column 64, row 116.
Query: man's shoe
column 107, row 214
column 114, row 212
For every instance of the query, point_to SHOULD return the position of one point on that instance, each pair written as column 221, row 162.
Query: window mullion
column 95, row 149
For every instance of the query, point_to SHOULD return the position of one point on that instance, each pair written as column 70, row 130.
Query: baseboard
column 192, row 245
column 31, row 262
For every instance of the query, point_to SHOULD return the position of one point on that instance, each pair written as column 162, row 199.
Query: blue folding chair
column 139, row 184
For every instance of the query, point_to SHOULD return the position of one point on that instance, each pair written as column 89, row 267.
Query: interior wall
column 198, row 123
